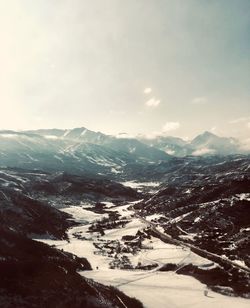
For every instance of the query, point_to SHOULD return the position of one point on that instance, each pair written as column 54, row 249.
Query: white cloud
column 203, row 151
column 248, row 125
column 125, row 136
column 245, row 145
column 153, row 102
column 213, row 129
column 169, row 126
column 199, row 100
column 147, row 90
column 170, row 152
column 151, row 135
column 239, row 120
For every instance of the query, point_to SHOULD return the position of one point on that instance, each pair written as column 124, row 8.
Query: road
column 204, row 253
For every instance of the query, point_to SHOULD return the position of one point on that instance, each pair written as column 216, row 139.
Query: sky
column 148, row 67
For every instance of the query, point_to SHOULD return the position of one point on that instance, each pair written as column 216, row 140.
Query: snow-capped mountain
column 76, row 150
column 32, row 273
column 132, row 206
column 80, row 134
column 80, row 150
column 171, row 145
column 208, row 143
column 204, row 144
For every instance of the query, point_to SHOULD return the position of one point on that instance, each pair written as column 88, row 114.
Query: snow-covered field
column 151, row 186
column 152, row 288
column 165, row 289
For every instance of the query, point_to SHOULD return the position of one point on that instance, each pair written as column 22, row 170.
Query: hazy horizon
column 176, row 68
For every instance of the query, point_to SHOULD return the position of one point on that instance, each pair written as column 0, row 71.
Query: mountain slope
column 36, row 275
column 204, row 144
column 76, row 151
column 208, row 143
column 170, row 145
column 32, row 273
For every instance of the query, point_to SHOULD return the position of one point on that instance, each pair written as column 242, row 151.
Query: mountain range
column 83, row 189
column 204, row 144
column 80, row 150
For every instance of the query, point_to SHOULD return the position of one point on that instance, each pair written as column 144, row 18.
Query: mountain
column 204, row 202
column 204, row 144
column 36, row 275
column 29, row 191
column 170, row 145
column 82, row 151
column 64, row 191
column 32, row 273
column 76, row 151
column 77, row 134
column 208, row 143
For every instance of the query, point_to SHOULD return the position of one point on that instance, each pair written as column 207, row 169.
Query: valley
column 125, row 154
column 103, row 250
column 121, row 222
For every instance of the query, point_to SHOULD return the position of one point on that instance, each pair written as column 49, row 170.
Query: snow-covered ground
column 82, row 215
column 151, row 186
column 152, row 288
column 165, row 289
column 130, row 229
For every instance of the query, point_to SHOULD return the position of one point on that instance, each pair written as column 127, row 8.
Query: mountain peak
column 207, row 134
column 204, row 137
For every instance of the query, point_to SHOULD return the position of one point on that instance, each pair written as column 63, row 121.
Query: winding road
column 204, row 253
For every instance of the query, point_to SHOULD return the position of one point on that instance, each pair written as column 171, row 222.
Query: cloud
column 245, row 145
column 213, row 129
column 203, row 151
column 248, row 125
column 239, row 120
column 147, row 90
column 152, row 102
column 199, row 100
column 125, row 136
column 170, row 126
column 170, row 152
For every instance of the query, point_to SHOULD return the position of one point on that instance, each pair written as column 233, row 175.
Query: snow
column 113, row 170
column 203, row 151
column 140, row 185
column 241, row 263
column 244, row 196
column 58, row 158
column 154, row 216
column 152, row 288
column 122, row 210
column 163, row 253
column 81, row 248
column 83, row 132
column 108, row 204
column 189, row 236
column 31, row 158
column 134, row 184
column 66, row 133
column 9, row 135
column 83, row 215
column 244, row 229
column 11, row 175
column 130, row 229
column 197, row 219
column 52, row 137
column 132, row 149
column 179, row 218
column 170, row 152
column 165, row 289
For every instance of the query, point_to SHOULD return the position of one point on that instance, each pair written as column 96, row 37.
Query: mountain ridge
column 80, row 150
